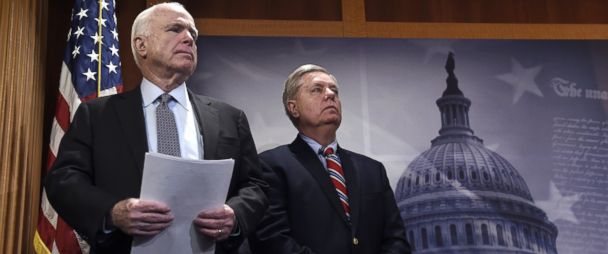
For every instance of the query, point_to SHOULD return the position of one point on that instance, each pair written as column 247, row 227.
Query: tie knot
column 164, row 98
column 328, row 151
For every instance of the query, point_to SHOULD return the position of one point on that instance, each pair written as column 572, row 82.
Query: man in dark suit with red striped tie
column 324, row 198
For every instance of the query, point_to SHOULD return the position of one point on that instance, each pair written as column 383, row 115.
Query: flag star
column 522, row 80
column 82, row 13
column 103, row 21
column 111, row 67
column 104, row 5
column 115, row 19
column 79, row 32
column 114, row 33
column 559, row 206
column 97, row 38
column 76, row 51
column 114, row 50
column 89, row 74
column 93, row 56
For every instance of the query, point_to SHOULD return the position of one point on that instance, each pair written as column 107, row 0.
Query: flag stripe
column 47, row 210
column 68, row 91
column 56, row 135
column 67, row 240
column 62, row 113
column 45, row 231
column 50, row 159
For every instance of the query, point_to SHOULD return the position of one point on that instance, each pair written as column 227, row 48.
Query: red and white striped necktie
column 336, row 174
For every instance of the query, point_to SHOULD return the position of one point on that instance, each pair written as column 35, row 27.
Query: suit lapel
column 208, row 122
column 352, row 185
column 308, row 158
column 130, row 113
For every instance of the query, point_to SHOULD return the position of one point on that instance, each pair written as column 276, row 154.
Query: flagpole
column 99, row 25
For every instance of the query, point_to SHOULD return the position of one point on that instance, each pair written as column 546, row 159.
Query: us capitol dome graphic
column 461, row 197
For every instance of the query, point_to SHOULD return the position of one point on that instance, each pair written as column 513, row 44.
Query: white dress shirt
column 317, row 148
column 190, row 140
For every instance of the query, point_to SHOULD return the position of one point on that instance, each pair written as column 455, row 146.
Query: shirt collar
column 316, row 146
column 150, row 92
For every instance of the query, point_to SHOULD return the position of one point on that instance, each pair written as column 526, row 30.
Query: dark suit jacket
column 101, row 157
column 305, row 215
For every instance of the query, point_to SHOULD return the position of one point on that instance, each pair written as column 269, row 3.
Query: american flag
column 90, row 69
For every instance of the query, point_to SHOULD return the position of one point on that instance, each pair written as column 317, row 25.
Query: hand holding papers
column 187, row 187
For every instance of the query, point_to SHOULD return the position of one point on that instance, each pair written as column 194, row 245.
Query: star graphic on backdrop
column 522, row 80
column 435, row 47
column 559, row 206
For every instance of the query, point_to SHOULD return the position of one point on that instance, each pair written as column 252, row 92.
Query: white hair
column 294, row 82
column 141, row 24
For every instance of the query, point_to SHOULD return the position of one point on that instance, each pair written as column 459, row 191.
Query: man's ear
column 293, row 109
column 140, row 46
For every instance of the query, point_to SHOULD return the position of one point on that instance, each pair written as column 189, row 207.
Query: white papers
column 187, row 187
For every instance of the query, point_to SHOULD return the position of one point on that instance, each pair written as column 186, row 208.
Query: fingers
column 217, row 213
column 148, row 229
column 149, row 206
column 215, row 234
column 213, row 224
column 216, row 224
column 141, row 217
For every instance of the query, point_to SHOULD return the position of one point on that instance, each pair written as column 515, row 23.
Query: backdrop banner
column 520, row 163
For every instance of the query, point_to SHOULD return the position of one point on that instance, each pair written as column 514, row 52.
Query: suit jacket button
column 355, row 241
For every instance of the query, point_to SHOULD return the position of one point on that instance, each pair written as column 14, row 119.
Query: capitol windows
column 450, row 174
column 469, row 234
column 539, row 241
column 412, row 240
column 496, row 175
column 417, row 180
column 547, row 243
column 514, row 238
column 425, row 240
column 437, row 177
column 453, row 234
column 527, row 238
column 473, row 175
column 460, row 173
column 427, row 178
column 438, row 236
column 486, row 176
column 485, row 237
column 499, row 236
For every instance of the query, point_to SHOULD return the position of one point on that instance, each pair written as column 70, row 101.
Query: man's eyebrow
column 182, row 25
